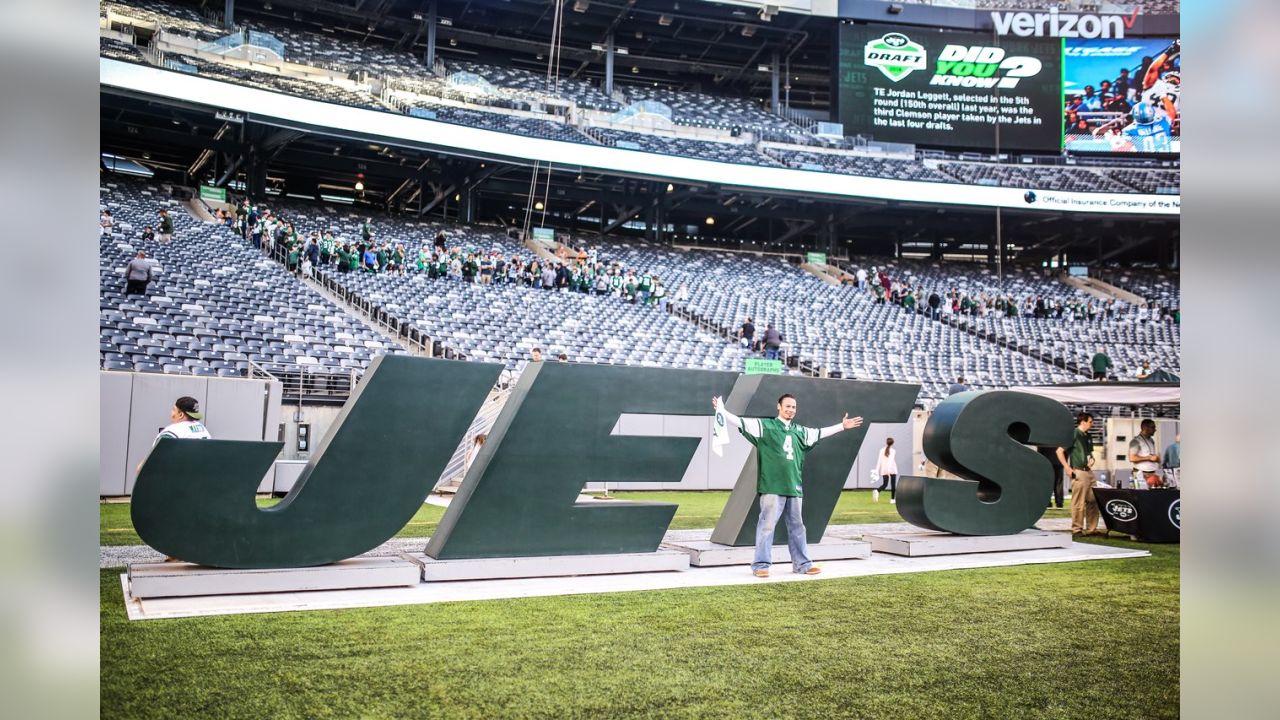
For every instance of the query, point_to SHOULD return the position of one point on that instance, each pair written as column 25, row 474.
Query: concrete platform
column 156, row 580
column 478, row 590
column 704, row 553
column 553, row 566
column 927, row 544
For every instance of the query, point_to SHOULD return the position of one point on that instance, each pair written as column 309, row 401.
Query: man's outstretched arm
column 813, row 435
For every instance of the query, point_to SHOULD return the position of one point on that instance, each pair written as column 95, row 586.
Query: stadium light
column 670, row 187
column 710, row 220
column 359, row 186
column 538, row 205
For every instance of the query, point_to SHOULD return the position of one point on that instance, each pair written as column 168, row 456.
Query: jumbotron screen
column 1122, row 95
column 950, row 89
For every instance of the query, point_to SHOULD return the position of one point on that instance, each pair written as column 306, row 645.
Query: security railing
column 243, row 38
column 318, row 384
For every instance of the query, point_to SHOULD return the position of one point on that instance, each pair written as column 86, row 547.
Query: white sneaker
column 893, row 501
column 875, row 496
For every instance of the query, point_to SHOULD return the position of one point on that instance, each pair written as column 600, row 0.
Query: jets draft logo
column 895, row 55
column 1122, row 510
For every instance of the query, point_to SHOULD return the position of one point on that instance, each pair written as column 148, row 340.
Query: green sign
column 553, row 436
column 982, row 437
column 756, row 366
column 213, row 193
column 816, row 258
column 194, row 499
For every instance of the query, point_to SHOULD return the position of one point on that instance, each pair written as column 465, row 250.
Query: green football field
column 1073, row 640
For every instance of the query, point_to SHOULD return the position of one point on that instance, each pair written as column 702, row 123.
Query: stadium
column 451, row 285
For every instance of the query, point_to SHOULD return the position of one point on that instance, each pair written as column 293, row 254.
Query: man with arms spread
column 780, row 448
column 1084, row 509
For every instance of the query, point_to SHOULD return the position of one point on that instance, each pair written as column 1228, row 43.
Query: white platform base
column 704, row 553
column 154, row 580
column 552, row 566
column 925, row 544
column 473, row 590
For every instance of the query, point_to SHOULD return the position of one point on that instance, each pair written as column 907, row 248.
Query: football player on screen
column 1144, row 129
column 1162, row 82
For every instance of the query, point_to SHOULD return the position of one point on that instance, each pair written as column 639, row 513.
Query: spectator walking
column 137, row 274
column 1101, row 364
column 772, row 343
column 887, row 469
column 165, row 232
column 747, row 333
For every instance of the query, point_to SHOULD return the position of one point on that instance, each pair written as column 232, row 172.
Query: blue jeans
column 772, row 353
column 771, row 509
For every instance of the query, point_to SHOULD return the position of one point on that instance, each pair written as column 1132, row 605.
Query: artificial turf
column 696, row 510
column 1074, row 640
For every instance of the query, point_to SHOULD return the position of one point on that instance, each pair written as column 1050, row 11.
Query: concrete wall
column 135, row 406
column 318, row 417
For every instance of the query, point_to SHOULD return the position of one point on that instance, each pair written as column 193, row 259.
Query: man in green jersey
column 780, row 448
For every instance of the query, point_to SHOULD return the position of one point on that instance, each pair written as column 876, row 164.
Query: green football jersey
column 780, row 455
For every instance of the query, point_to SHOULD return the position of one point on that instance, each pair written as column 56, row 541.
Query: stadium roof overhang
column 690, row 45
column 1110, row 393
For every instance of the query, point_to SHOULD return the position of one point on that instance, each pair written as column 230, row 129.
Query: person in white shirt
column 887, row 469
column 1144, row 371
column 184, row 421
column 184, row 424
column 1144, row 457
column 862, row 278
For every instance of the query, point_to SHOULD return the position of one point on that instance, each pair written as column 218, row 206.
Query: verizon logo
column 1058, row 24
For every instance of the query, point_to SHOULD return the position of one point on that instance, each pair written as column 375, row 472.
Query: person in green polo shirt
column 1079, row 465
column 1101, row 364
column 780, row 448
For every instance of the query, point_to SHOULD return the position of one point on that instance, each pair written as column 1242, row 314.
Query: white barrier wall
column 135, row 406
column 706, row 471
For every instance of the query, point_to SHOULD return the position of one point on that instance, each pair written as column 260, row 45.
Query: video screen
column 950, row 89
column 1122, row 95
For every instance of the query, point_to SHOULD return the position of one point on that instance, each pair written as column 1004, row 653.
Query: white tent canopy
column 1132, row 393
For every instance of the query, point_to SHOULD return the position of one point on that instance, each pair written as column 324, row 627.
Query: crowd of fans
column 581, row 271
column 1024, row 308
column 935, row 302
